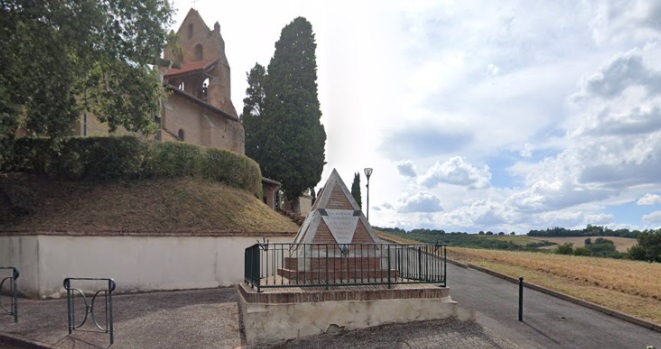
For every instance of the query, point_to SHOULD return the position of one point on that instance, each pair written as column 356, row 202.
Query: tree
column 253, row 107
column 588, row 241
column 648, row 247
column 60, row 57
column 292, row 151
column 566, row 248
column 355, row 189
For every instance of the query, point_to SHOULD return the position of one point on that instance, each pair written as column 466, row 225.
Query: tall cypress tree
column 355, row 189
column 253, row 112
column 293, row 140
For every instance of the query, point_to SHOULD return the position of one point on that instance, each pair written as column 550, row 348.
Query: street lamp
column 368, row 173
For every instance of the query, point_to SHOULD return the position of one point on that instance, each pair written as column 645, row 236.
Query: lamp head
column 368, row 172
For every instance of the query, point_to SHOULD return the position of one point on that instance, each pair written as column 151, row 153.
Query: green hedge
column 109, row 158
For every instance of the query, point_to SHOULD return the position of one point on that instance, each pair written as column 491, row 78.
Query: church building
column 200, row 109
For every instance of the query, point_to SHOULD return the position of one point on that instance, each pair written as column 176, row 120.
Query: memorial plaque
column 342, row 224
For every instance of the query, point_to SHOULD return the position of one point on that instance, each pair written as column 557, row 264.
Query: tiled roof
column 189, row 67
column 200, row 102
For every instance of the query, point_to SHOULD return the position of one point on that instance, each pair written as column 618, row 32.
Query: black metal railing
column 12, row 293
column 89, row 305
column 270, row 265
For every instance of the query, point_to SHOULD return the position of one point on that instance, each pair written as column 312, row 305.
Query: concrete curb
column 22, row 342
column 632, row 319
column 457, row 263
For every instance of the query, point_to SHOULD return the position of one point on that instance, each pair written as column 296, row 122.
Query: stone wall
column 202, row 126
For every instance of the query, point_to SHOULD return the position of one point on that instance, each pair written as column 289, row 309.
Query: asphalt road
column 549, row 322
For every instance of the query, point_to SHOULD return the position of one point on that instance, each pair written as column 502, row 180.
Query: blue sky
column 479, row 115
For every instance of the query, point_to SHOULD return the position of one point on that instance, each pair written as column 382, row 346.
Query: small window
column 198, row 52
column 181, row 134
column 190, row 30
column 181, row 86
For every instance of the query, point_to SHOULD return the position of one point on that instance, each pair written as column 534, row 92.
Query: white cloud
column 421, row 202
column 493, row 69
column 406, row 168
column 654, row 217
column 649, row 199
column 457, row 171
column 556, row 104
column 526, row 152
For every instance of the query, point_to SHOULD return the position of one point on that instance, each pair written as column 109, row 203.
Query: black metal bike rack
column 13, row 293
column 89, row 305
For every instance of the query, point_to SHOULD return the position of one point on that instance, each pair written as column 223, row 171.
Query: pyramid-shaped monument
column 336, row 218
column 336, row 242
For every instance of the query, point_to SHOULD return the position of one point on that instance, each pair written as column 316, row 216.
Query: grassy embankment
column 162, row 205
column 631, row 287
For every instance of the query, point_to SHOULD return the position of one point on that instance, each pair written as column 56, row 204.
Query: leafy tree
column 481, row 233
column 489, row 233
column 60, row 57
column 293, row 147
column 253, row 110
column 355, row 189
column 588, row 241
column 566, row 248
column 501, row 233
column 512, row 233
column 648, row 247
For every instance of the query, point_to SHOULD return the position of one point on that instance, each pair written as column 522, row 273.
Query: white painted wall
column 136, row 263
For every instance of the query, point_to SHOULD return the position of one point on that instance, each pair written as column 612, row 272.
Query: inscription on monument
column 342, row 224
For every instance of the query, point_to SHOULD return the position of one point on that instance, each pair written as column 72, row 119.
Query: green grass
column 30, row 203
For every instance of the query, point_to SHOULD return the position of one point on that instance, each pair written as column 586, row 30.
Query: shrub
column 173, row 160
column 566, row 248
column 225, row 166
column 112, row 158
column 581, row 251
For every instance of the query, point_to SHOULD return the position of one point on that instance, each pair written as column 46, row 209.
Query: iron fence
column 269, row 265
column 89, row 305
column 12, row 293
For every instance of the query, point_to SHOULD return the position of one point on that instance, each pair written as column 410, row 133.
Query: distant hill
column 621, row 244
column 31, row 203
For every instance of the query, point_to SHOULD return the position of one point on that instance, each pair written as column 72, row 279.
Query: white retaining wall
column 137, row 263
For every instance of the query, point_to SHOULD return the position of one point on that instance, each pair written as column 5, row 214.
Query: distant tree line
column 647, row 249
column 463, row 239
column 589, row 230
column 600, row 247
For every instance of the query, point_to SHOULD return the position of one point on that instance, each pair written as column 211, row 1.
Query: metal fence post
column 520, row 298
column 388, row 266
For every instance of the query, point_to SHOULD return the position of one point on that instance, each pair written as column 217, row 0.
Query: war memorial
column 338, row 274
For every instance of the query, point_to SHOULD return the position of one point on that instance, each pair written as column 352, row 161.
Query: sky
column 478, row 115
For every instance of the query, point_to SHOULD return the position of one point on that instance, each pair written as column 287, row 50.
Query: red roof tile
column 189, row 67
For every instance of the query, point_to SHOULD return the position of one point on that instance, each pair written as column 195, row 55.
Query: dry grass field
column 631, row 287
column 621, row 244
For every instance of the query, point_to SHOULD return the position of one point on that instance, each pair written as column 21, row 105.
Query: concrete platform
column 277, row 314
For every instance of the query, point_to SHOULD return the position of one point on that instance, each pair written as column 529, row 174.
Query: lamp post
column 368, row 173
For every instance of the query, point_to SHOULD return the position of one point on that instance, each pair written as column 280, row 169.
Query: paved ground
column 185, row 319
column 548, row 321
column 209, row 319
